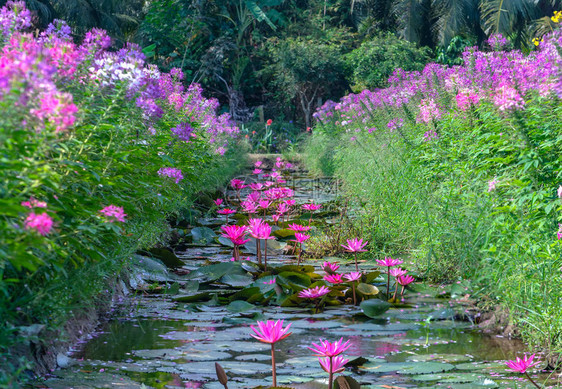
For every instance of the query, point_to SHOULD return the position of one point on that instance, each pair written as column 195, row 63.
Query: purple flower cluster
column 36, row 66
column 172, row 173
column 501, row 79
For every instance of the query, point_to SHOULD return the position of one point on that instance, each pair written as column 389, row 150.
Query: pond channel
column 171, row 340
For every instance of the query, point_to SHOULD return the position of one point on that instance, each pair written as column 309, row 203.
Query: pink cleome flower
column 113, row 213
column 171, row 172
column 42, row 223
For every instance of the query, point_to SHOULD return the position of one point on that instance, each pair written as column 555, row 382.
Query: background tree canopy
column 288, row 55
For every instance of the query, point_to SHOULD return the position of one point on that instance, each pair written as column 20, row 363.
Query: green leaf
column 374, row 307
column 239, row 306
column 367, row 289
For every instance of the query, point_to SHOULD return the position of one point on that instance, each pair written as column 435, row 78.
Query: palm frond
column 501, row 16
column 454, row 17
column 410, row 16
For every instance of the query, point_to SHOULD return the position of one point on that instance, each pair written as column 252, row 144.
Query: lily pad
column 237, row 280
column 426, row 368
column 374, row 307
column 367, row 289
column 203, row 235
column 239, row 306
column 225, row 241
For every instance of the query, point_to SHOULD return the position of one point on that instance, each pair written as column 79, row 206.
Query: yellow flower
column 536, row 41
column 557, row 17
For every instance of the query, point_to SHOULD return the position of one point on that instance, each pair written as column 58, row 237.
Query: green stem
column 274, row 374
column 331, row 378
column 265, row 254
column 530, row 379
column 354, row 296
column 356, row 266
column 388, row 283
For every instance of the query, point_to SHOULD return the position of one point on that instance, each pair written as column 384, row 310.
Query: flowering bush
column 97, row 149
column 462, row 165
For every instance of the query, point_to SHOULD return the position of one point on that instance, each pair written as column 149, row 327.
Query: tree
column 303, row 70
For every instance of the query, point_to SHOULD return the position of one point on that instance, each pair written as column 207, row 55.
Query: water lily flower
column 256, row 186
column 334, row 278
column 262, row 231
column 327, row 349
column 258, row 163
column 226, row 212
column 300, row 238
column 352, row 277
column 522, row 365
column 330, row 267
column 397, row 272
column 218, row 202
column 355, row 246
column 333, row 366
column 388, row 262
column 257, row 171
column 254, row 197
column 270, row 282
column 298, row 227
column 314, row 293
column 271, row 332
column 237, row 184
column 404, row 281
column 311, row 207
column 249, row 207
column 236, row 235
column 264, row 204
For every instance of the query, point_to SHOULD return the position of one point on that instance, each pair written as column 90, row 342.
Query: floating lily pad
column 239, row 306
column 225, row 241
column 426, row 368
column 449, row 358
column 483, row 366
column 237, row 280
column 367, row 289
column 203, row 235
column 374, row 307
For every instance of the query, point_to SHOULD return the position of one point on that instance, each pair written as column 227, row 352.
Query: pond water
column 160, row 342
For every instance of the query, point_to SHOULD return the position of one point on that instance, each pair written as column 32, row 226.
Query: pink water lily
column 327, row 349
column 249, row 207
column 334, row 278
column 256, row 186
column 226, row 212
column 270, row 282
column 298, row 227
column 258, row 163
column 218, row 202
column 271, row 332
column 352, row 277
column 355, row 246
column 237, row 184
column 311, row 207
column 314, row 293
column 236, row 234
column 301, row 237
column 388, row 262
column 404, row 281
column 330, row 267
column 333, row 365
column 522, row 365
column 397, row 272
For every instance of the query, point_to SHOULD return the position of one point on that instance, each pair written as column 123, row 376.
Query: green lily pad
column 426, row 368
column 225, row 241
column 300, row 280
column 449, row 358
column 237, row 280
column 374, row 307
column 482, row 366
column 239, row 306
column 367, row 289
column 204, row 296
column 203, row 235
column 371, row 276
column 283, row 233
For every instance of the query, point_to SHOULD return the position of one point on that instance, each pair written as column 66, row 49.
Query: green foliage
column 304, row 70
column 109, row 157
column 452, row 54
column 432, row 199
column 370, row 65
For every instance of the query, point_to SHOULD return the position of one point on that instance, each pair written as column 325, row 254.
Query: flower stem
column 356, row 266
column 395, row 291
column 530, row 379
column 354, row 296
column 274, row 375
column 258, row 251
column 331, row 378
column 265, row 254
column 388, row 283
column 300, row 252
